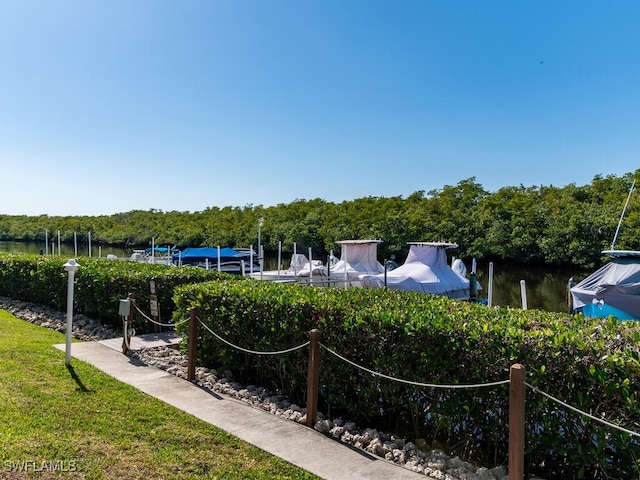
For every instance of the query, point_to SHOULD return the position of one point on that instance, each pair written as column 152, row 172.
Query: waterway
column 545, row 288
column 79, row 249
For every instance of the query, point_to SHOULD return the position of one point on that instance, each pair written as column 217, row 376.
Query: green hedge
column 99, row 284
column 592, row 365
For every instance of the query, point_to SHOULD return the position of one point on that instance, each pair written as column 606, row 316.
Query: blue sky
column 111, row 106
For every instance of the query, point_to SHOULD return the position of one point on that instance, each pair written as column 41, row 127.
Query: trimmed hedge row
column 99, row 284
column 593, row 365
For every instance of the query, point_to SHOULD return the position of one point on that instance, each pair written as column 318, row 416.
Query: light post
column 260, row 222
column 71, row 266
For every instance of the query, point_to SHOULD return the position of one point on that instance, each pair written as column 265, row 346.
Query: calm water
column 81, row 250
column 546, row 288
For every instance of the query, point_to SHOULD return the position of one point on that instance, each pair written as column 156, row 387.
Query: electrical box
column 125, row 308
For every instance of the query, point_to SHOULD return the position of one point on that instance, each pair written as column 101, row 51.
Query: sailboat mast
column 615, row 237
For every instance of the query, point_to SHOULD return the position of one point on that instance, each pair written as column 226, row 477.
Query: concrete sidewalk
column 298, row 444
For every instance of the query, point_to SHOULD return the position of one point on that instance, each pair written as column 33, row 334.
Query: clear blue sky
column 110, row 106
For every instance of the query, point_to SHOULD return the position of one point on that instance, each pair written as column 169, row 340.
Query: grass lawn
column 77, row 422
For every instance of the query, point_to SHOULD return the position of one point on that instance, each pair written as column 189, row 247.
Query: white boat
column 300, row 268
column 156, row 255
column 425, row 270
column 357, row 258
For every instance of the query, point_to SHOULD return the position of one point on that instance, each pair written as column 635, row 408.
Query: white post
column 89, row 237
column 59, row 243
column 279, row 256
column 75, row 244
column 330, row 264
column 250, row 259
column 219, row 267
column 295, row 269
column 260, row 222
column 153, row 249
column 346, row 276
column 310, row 267
column 473, row 266
column 46, row 242
column 490, row 294
column 99, row 251
column 71, row 266
column 523, row 292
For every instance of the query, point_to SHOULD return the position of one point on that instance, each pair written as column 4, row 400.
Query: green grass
column 96, row 427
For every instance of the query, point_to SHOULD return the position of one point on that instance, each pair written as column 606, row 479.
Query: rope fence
column 147, row 317
column 588, row 415
column 516, row 395
column 418, row 384
column 245, row 350
column 409, row 382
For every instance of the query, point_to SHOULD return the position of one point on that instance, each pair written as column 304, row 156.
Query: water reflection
column 546, row 288
column 66, row 250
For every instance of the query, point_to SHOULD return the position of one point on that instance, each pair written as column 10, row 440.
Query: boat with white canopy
column 425, row 270
column 357, row 258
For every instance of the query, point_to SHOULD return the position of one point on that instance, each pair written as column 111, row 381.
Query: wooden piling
column 192, row 353
column 313, row 377
column 516, row 422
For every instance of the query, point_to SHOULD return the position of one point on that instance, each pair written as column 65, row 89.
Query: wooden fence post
column 516, row 422
column 313, row 377
column 193, row 346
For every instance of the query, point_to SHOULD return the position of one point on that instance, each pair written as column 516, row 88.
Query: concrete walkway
column 298, row 444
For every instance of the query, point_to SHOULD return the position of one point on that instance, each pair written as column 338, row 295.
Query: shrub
column 99, row 284
column 592, row 365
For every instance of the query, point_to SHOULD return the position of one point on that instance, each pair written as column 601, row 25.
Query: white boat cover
column 298, row 262
column 299, row 267
column 616, row 284
column 356, row 258
column 425, row 270
column 304, row 267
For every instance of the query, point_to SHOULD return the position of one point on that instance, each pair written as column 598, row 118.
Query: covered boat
column 613, row 290
column 300, row 266
column 425, row 270
column 357, row 257
column 157, row 255
column 230, row 260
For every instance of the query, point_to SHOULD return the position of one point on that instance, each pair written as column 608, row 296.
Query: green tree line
column 548, row 225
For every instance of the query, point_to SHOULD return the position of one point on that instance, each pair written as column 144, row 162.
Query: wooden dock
column 150, row 340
